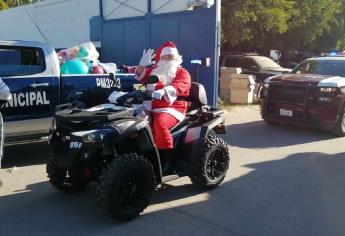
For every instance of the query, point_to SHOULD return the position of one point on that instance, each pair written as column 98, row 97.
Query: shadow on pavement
column 302, row 194
column 258, row 134
column 25, row 154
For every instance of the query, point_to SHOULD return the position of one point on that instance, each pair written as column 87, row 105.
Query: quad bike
column 114, row 147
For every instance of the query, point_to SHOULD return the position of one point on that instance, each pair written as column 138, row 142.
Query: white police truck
column 32, row 72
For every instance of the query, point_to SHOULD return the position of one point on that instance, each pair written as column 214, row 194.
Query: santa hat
column 167, row 48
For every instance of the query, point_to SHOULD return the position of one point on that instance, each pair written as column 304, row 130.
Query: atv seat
column 196, row 99
column 197, row 96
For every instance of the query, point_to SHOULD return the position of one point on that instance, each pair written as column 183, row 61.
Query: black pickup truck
column 32, row 72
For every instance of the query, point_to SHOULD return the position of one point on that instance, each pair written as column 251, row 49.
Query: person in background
column 5, row 96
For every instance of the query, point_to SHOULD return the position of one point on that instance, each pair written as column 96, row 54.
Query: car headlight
column 328, row 90
column 92, row 136
column 265, row 85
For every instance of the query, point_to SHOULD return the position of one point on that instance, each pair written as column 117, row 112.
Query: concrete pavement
column 282, row 180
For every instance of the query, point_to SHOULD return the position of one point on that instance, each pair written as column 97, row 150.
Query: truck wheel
column 125, row 187
column 270, row 122
column 68, row 181
column 339, row 128
column 212, row 164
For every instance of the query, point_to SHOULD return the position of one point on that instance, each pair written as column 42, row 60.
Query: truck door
column 34, row 89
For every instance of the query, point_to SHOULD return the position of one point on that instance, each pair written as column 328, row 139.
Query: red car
column 312, row 94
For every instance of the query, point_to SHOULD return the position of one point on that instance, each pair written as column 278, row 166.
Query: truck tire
column 212, row 164
column 68, row 181
column 125, row 187
column 270, row 122
column 339, row 128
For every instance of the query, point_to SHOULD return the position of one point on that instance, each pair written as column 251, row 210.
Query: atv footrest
column 169, row 178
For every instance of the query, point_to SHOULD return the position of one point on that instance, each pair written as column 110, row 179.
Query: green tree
column 303, row 25
column 3, row 5
column 246, row 21
column 16, row 3
column 314, row 27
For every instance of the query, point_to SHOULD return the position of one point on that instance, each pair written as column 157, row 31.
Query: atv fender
column 195, row 140
column 216, row 124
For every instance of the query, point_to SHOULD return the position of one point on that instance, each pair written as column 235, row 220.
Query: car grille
column 287, row 94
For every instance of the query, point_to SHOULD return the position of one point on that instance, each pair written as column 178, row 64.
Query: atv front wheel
column 68, row 181
column 212, row 163
column 125, row 187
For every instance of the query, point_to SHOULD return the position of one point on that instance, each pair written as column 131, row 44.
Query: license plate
column 284, row 112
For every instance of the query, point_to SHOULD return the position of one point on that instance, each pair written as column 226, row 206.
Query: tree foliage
column 3, row 5
column 16, row 3
column 313, row 25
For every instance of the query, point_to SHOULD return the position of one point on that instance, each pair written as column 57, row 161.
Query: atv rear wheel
column 212, row 163
column 125, row 187
column 68, row 181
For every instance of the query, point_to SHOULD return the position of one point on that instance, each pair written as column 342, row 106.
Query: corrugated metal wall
column 194, row 32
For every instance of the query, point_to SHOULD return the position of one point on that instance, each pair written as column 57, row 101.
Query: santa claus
column 168, row 106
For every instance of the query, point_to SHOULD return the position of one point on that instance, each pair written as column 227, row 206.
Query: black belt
column 181, row 98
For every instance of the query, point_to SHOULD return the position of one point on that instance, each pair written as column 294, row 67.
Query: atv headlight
column 92, row 136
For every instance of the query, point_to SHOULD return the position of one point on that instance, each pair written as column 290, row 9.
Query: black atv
column 114, row 147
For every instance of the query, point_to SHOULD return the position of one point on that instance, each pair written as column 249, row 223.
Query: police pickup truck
column 32, row 72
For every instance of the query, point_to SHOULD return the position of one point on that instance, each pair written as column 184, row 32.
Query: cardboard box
column 242, row 81
column 225, row 95
column 241, row 95
column 225, row 83
column 230, row 70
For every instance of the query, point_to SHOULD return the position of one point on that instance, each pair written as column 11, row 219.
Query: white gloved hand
column 147, row 58
column 158, row 94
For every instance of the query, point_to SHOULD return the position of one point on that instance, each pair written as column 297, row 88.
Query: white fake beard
column 166, row 70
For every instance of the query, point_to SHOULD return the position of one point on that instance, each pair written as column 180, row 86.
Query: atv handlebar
column 136, row 97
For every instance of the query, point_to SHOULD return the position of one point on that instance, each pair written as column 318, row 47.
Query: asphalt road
column 282, row 180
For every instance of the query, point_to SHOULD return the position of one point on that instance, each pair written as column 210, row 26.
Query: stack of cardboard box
column 236, row 87
column 242, row 89
column 227, row 74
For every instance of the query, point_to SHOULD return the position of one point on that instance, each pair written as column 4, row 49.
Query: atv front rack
column 85, row 115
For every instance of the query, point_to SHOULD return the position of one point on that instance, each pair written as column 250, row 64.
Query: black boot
column 167, row 160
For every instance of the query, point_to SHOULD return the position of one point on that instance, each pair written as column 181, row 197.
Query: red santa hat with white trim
column 167, row 48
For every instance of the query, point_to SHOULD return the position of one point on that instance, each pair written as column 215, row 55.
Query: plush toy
column 97, row 70
column 74, row 67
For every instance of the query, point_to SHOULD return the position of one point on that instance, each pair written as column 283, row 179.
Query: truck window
column 232, row 62
column 249, row 64
column 21, row 61
column 321, row 67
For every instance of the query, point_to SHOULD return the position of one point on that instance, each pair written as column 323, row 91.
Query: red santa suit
column 171, row 109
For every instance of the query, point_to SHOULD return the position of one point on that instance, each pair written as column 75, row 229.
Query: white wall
column 65, row 23
column 165, row 6
column 123, row 9
column 60, row 23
